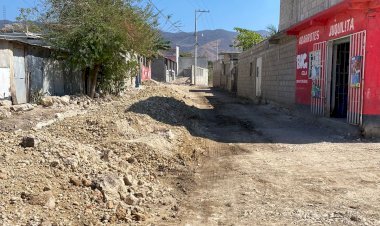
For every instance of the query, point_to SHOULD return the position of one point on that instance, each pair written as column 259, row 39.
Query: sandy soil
column 182, row 155
column 266, row 166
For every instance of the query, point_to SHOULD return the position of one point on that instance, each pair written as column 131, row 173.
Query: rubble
column 5, row 112
column 5, row 103
column 96, row 161
column 22, row 107
column 28, row 142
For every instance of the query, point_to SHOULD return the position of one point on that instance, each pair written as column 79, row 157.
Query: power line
column 165, row 17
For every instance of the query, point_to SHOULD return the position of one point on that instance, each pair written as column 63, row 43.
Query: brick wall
column 294, row 11
column 278, row 71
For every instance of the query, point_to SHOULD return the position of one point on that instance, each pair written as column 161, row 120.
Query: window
column 251, row 69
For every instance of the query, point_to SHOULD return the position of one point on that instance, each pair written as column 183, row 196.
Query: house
column 27, row 70
column 185, row 63
column 225, row 71
column 324, row 61
column 164, row 68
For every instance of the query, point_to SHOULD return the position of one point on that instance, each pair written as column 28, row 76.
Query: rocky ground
column 95, row 162
column 181, row 155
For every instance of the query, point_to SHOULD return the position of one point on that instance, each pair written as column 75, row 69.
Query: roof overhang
column 321, row 18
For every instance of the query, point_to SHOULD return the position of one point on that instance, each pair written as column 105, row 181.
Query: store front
column 338, row 62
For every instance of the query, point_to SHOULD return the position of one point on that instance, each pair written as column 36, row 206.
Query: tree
column 247, row 38
column 272, row 29
column 96, row 34
column 27, row 20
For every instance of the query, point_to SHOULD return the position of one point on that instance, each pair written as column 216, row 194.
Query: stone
column 45, row 199
column 130, row 200
column 110, row 205
column 65, row 100
column 5, row 113
column 139, row 195
column 111, row 186
column 22, row 107
column 121, row 212
column 5, row 103
column 47, row 101
column 13, row 200
column 28, row 142
column 75, row 181
column 128, row 180
column 86, row 182
column 139, row 217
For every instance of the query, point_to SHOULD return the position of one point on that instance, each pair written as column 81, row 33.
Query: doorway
column 340, row 77
column 19, row 74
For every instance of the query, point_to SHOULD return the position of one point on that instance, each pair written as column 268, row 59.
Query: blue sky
column 224, row 14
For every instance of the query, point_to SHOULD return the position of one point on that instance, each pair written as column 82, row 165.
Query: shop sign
column 342, row 27
column 311, row 37
column 302, row 61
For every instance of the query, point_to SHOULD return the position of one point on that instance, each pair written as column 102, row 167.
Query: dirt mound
column 110, row 165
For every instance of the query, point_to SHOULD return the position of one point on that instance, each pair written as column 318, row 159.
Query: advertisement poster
column 315, row 62
column 356, row 70
column 316, row 91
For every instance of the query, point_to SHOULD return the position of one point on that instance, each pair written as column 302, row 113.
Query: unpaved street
column 182, row 155
column 268, row 167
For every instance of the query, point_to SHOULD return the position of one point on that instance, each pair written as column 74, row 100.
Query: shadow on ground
column 235, row 120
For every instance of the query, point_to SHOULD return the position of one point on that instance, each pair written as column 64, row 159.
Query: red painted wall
column 319, row 30
column 372, row 67
column 145, row 73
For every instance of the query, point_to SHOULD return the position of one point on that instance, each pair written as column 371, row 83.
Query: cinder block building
column 324, row 60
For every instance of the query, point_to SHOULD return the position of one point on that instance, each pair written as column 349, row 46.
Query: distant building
column 225, row 71
column 164, row 69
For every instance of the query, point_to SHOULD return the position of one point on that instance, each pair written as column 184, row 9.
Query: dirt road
column 268, row 167
column 180, row 155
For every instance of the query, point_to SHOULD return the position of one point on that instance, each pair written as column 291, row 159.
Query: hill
column 208, row 40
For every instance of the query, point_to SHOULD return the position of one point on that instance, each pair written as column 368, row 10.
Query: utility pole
column 196, row 42
column 217, row 50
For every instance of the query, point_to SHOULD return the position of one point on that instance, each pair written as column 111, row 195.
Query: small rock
column 47, row 101
column 86, row 182
column 131, row 160
column 6, row 103
column 28, row 142
column 130, row 200
column 44, row 199
column 139, row 195
column 128, row 180
column 13, row 200
column 75, row 181
column 138, row 217
column 5, row 113
column 110, row 205
column 121, row 213
column 22, row 107
column 54, row 164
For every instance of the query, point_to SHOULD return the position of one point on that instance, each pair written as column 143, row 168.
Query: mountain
column 207, row 39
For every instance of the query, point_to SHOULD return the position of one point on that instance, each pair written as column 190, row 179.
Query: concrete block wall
column 278, row 71
column 294, row 11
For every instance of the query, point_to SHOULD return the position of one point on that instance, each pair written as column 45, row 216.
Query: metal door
column 19, row 74
column 356, row 78
column 259, row 65
column 318, row 76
